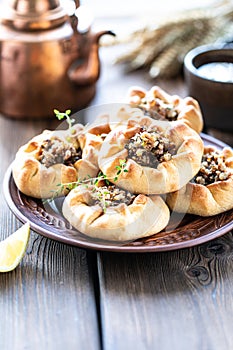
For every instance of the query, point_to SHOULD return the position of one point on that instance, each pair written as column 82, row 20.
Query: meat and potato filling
column 149, row 148
column 110, row 196
column 55, row 151
column 213, row 169
column 158, row 109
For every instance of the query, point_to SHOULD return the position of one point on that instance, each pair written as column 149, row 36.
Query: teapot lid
column 33, row 15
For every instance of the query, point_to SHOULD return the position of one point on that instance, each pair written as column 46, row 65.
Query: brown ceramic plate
column 182, row 231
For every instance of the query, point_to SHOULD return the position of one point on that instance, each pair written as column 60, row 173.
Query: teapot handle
column 88, row 73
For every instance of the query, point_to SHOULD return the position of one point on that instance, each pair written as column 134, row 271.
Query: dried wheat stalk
column 161, row 48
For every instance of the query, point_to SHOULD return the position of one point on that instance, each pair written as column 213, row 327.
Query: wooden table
column 63, row 297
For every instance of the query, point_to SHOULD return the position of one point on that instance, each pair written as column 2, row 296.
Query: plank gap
column 93, row 271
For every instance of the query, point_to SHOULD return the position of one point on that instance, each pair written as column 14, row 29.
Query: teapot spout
column 88, row 73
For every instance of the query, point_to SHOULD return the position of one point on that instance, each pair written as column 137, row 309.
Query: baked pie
column 210, row 192
column 123, row 174
column 118, row 114
column 53, row 158
column 160, row 157
column 111, row 213
column 159, row 105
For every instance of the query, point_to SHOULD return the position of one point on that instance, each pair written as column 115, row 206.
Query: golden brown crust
column 188, row 109
column 170, row 175
column 36, row 180
column 144, row 217
column 119, row 114
column 209, row 200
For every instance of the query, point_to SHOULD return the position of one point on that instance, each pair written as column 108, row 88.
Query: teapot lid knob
column 33, row 14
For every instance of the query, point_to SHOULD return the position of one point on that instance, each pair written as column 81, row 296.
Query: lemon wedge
column 13, row 248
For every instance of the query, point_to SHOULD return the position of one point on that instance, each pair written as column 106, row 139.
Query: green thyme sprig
column 101, row 176
column 120, row 168
column 102, row 196
column 66, row 114
column 68, row 186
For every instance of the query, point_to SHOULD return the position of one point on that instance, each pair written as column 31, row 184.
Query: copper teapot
column 46, row 62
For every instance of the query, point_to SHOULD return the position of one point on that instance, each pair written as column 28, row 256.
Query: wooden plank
column 48, row 301
column 174, row 300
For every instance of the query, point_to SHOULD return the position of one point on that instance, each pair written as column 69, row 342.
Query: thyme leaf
column 68, row 186
column 66, row 115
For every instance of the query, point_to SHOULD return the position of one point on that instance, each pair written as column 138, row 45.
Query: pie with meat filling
column 159, row 105
column 108, row 212
column 210, row 191
column 56, row 157
column 160, row 157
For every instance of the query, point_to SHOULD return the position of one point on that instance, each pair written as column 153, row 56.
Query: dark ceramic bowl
column 210, row 87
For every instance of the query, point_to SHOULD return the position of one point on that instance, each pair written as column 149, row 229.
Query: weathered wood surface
column 175, row 300
column 62, row 297
column 48, row 301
